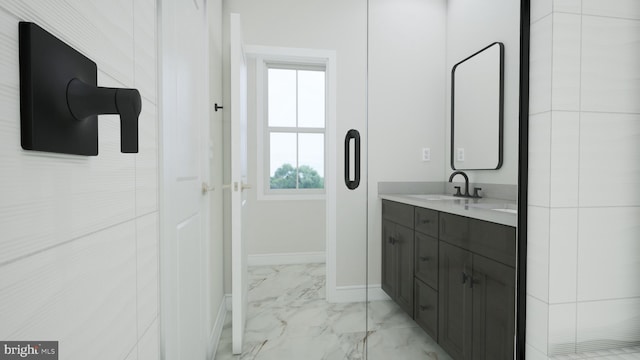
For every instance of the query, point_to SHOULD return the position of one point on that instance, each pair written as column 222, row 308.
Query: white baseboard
column 216, row 331
column 377, row 294
column 358, row 293
column 286, row 258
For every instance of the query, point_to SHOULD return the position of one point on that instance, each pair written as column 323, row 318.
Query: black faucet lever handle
column 458, row 193
column 86, row 100
column 476, row 193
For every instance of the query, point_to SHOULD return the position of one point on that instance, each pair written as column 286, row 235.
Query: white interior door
column 239, row 284
column 184, row 114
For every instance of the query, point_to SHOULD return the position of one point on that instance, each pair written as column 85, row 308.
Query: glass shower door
column 424, row 285
column 306, row 245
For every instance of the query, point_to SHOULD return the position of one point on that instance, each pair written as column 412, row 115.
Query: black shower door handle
column 355, row 136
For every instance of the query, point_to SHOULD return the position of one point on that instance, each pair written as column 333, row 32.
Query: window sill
column 291, row 197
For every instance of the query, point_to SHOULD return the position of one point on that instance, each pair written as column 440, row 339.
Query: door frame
column 165, row 282
column 238, row 155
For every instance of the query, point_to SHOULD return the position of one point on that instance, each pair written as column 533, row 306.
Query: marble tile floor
column 288, row 319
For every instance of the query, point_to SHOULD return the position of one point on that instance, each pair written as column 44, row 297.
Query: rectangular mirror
column 477, row 89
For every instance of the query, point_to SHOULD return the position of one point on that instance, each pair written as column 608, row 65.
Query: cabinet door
column 426, row 259
column 455, row 302
column 404, row 261
column 493, row 310
column 389, row 266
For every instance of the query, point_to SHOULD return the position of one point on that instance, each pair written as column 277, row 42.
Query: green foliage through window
column 307, row 178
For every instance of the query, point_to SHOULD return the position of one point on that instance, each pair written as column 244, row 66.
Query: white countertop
column 468, row 207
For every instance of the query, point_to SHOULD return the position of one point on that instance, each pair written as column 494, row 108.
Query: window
column 295, row 122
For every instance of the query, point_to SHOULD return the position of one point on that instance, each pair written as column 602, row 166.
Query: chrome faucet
column 466, row 186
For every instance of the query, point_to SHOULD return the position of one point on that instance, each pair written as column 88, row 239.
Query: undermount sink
column 504, row 207
column 435, row 197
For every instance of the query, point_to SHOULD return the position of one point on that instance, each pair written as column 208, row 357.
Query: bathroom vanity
column 450, row 264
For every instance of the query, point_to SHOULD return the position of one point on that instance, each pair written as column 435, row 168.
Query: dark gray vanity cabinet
column 476, row 293
column 455, row 276
column 397, row 253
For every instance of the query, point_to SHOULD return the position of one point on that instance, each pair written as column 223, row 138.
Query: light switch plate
column 460, row 154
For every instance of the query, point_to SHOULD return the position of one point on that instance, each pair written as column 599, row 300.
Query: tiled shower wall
column 584, row 178
column 79, row 235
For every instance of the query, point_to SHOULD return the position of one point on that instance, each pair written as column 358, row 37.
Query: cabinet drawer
column 426, row 308
column 494, row 241
column 426, row 221
column 398, row 213
column 426, row 259
column 454, row 229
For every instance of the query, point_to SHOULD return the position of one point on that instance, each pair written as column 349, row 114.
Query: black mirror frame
column 500, row 110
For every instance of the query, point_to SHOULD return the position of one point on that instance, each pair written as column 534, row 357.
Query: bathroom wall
column 584, row 177
column 329, row 25
column 79, row 235
column 471, row 26
column 407, row 77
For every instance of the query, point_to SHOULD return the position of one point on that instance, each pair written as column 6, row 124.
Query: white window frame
column 272, row 57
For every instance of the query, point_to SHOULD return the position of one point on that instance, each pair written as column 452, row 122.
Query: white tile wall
column 540, row 65
column 608, row 253
column 609, row 153
column 79, row 235
column 540, row 9
column 610, row 71
column 144, row 22
column 537, row 331
column 563, row 259
column 80, row 293
column 532, row 353
column 562, row 328
column 147, row 160
column 538, row 252
column 565, row 86
column 100, row 30
column 539, row 158
column 147, row 229
column 570, row 6
column 565, row 170
column 614, row 8
column 585, row 76
column 608, row 324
